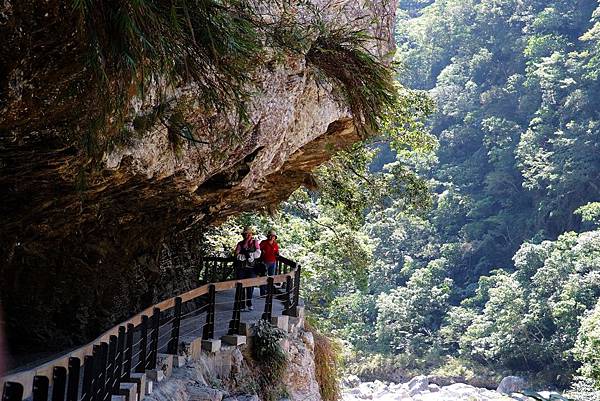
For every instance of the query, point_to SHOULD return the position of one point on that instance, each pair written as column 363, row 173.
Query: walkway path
column 104, row 362
column 224, row 301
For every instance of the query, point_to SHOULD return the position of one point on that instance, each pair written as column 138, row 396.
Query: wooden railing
column 95, row 371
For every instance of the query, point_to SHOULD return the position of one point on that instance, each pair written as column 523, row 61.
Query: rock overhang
column 76, row 236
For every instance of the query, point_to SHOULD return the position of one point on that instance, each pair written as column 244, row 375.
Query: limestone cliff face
column 82, row 246
column 231, row 375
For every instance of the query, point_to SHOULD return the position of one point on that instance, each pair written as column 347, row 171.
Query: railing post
column 40, row 388
column 268, row 301
column 87, row 388
column 209, row 328
column 97, row 355
column 110, row 367
column 296, row 290
column 232, row 267
column 234, row 323
column 154, row 339
column 103, row 369
column 119, row 359
column 202, row 271
column 287, row 300
column 127, row 364
column 173, row 346
column 141, row 365
column 12, row 391
column 73, row 382
column 59, row 382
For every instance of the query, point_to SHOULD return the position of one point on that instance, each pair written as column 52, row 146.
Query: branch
column 311, row 218
column 358, row 174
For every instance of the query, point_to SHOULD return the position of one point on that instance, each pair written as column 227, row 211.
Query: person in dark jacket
column 247, row 253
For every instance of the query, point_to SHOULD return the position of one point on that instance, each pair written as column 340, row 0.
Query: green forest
column 465, row 240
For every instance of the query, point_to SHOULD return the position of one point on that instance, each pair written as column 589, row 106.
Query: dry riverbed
column 419, row 389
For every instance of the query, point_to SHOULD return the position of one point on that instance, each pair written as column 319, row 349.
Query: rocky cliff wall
column 231, row 375
column 100, row 221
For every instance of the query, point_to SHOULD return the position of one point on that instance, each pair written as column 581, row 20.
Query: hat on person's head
column 272, row 233
column 248, row 229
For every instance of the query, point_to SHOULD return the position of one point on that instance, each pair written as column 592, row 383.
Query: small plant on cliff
column 134, row 44
column 365, row 84
column 271, row 358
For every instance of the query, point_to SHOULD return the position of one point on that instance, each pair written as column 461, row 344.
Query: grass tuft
column 326, row 365
column 366, row 84
column 133, row 44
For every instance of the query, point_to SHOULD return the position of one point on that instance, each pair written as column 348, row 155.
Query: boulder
column 196, row 393
column 366, row 390
column 511, row 384
column 433, row 388
column 299, row 377
column 351, row 381
column 417, row 385
column 252, row 397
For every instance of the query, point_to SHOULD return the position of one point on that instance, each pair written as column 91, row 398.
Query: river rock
column 433, row 388
column 511, row 384
column 351, row 381
column 417, row 385
column 378, row 391
column 366, row 390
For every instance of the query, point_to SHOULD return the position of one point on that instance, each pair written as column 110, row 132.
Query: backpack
column 244, row 263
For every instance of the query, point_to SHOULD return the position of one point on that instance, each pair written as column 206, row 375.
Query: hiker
column 269, row 251
column 247, row 253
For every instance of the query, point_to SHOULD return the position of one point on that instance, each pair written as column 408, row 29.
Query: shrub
column 587, row 346
column 327, row 353
column 271, row 359
column 583, row 389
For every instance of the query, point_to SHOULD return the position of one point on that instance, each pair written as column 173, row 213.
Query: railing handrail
column 232, row 258
column 25, row 377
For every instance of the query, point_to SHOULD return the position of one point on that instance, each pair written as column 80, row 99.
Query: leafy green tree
column 352, row 317
column 408, row 317
column 590, row 213
column 587, row 347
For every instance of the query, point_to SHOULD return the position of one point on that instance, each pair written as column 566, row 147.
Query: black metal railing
column 96, row 371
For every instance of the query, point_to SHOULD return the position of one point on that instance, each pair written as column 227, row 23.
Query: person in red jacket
column 269, row 250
